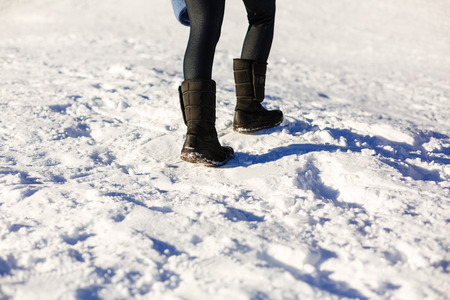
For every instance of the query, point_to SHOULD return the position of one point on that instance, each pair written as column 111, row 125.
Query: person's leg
column 206, row 18
column 258, row 41
column 198, row 90
column 250, row 70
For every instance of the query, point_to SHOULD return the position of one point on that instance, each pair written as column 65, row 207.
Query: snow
column 348, row 198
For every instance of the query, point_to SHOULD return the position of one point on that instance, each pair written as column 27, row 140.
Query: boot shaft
column 250, row 80
column 198, row 105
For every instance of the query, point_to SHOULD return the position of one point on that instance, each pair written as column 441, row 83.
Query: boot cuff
column 204, row 85
column 242, row 64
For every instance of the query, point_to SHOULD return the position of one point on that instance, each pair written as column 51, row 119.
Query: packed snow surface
column 348, row 198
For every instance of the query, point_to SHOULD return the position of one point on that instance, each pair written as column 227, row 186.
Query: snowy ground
column 349, row 198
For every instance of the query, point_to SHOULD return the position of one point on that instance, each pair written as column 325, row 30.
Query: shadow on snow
column 356, row 143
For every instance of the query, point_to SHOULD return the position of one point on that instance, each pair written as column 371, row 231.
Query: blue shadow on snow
column 356, row 143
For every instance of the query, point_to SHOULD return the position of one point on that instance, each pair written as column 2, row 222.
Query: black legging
column 206, row 21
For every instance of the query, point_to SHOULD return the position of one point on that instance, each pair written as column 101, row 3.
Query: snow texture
column 348, row 198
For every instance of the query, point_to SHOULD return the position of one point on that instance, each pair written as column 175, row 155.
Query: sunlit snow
column 348, row 198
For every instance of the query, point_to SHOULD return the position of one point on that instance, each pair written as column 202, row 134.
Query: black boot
column 250, row 115
column 198, row 104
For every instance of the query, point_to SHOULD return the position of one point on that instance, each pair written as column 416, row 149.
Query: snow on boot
column 198, row 104
column 250, row 116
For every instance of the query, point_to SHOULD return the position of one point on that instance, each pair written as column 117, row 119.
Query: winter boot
column 250, row 115
column 198, row 104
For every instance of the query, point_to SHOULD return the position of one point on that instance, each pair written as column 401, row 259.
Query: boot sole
column 245, row 130
column 197, row 158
